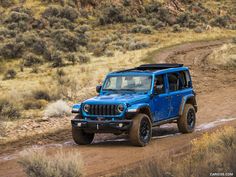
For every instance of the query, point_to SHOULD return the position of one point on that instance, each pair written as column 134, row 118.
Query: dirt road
column 216, row 93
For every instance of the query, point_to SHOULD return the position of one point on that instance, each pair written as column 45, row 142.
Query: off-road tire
column 82, row 138
column 135, row 134
column 186, row 122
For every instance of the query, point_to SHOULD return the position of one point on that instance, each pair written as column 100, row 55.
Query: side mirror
column 98, row 88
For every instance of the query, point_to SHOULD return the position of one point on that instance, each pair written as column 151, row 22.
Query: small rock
column 44, row 119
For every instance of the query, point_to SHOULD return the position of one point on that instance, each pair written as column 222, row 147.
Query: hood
column 118, row 98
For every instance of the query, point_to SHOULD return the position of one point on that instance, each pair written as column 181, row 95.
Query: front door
column 161, row 100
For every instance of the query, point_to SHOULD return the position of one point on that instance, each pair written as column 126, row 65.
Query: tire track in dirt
column 216, row 93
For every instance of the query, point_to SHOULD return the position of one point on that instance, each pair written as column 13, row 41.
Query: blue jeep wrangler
column 135, row 100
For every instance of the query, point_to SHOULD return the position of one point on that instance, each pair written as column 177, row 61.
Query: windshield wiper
column 128, row 90
column 113, row 90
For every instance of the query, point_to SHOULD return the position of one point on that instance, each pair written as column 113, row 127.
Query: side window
column 173, row 79
column 159, row 84
column 184, row 79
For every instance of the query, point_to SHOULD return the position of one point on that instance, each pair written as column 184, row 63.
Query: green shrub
column 57, row 60
column 8, row 110
column 109, row 53
column 114, row 14
column 17, row 16
column 99, row 49
column 19, row 19
column 221, row 21
column 164, row 14
column 10, row 74
column 84, row 59
column 60, row 73
column 34, row 104
column 41, row 95
column 153, row 7
column 141, row 29
column 33, row 41
column 142, row 21
column 82, row 28
column 60, row 23
column 136, row 45
column 6, row 3
column 176, row 28
column 38, row 163
column 6, row 33
column 61, row 12
column 68, row 41
column 192, row 24
column 72, row 58
column 126, row 2
column 32, row 59
column 198, row 30
column 183, row 19
column 11, row 50
column 159, row 25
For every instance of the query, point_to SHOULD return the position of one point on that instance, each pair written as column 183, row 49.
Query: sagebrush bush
column 19, row 19
column 61, row 164
column 6, row 3
column 31, row 59
column 99, row 49
column 57, row 109
column 8, row 110
column 61, row 12
column 34, row 104
column 84, row 59
column 71, row 57
column 11, row 50
column 141, row 29
column 57, row 59
column 41, row 95
column 115, row 14
column 65, row 40
column 198, row 30
column 220, row 21
column 159, row 25
column 136, row 45
column 10, row 74
column 176, row 28
column 3, row 128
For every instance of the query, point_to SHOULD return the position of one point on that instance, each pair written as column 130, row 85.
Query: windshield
column 128, row 83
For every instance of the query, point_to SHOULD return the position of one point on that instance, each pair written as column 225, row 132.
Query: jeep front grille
column 109, row 110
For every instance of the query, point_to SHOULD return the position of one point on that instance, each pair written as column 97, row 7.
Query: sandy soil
column 216, row 94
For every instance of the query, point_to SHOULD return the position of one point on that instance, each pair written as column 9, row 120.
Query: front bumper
column 95, row 126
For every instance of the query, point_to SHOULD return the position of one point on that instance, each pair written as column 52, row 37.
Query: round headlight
column 120, row 108
column 86, row 108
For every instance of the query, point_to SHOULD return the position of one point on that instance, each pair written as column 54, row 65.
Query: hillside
column 61, row 49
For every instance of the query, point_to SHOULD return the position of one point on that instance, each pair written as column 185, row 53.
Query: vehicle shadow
column 123, row 140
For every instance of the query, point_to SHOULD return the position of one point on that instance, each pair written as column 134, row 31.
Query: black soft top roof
column 159, row 66
column 153, row 67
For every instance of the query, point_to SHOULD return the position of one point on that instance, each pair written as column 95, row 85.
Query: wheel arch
column 146, row 110
column 143, row 108
column 189, row 99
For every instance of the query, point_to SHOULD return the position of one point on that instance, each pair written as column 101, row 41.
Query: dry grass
column 38, row 163
column 213, row 153
column 224, row 56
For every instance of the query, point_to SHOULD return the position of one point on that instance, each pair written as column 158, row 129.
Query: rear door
column 161, row 100
column 175, row 93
